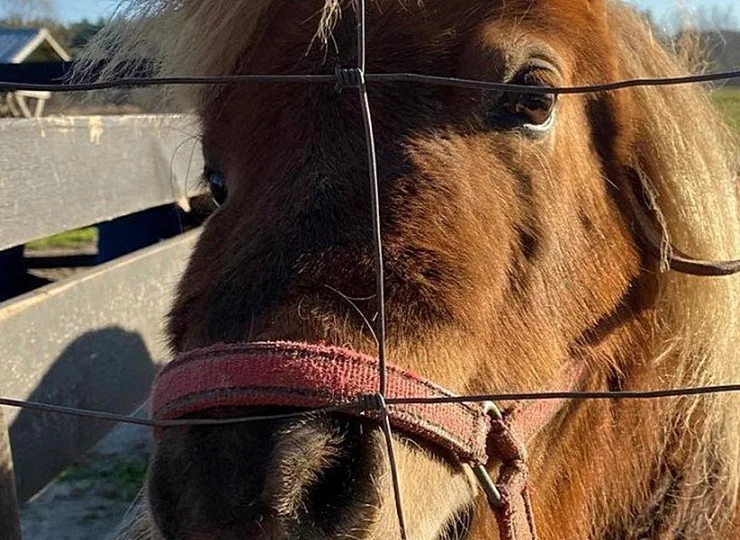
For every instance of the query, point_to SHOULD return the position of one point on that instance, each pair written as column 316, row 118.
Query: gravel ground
column 88, row 501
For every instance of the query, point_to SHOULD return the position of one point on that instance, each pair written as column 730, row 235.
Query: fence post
column 10, row 525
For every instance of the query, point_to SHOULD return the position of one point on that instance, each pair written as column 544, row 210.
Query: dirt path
column 89, row 500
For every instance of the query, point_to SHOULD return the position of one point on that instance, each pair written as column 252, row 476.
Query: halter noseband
column 316, row 376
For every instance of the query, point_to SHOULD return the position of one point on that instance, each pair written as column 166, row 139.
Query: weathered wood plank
column 90, row 342
column 58, row 174
column 10, row 524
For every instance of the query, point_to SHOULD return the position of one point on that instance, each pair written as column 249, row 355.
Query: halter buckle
column 488, row 486
column 493, row 494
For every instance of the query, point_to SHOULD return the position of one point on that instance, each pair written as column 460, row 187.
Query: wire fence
column 339, row 78
column 362, row 404
column 357, row 78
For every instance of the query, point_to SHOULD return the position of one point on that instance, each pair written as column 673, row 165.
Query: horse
column 513, row 230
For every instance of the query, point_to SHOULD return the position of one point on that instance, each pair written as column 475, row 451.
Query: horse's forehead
column 462, row 15
column 513, row 8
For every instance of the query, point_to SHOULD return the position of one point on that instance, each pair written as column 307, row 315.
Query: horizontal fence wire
column 370, row 78
column 355, row 406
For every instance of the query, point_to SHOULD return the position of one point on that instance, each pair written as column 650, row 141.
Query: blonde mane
column 184, row 37
column 684, row 154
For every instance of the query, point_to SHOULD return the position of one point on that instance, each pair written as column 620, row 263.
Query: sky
column 664, row 10
column 71, row 10
column 74, row 10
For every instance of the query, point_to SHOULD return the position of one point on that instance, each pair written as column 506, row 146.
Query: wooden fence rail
column 58, row 174
column 93, row 340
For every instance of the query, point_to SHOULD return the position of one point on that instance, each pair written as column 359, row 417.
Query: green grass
column 728, row 101
column 122, row 478
column 66, row 240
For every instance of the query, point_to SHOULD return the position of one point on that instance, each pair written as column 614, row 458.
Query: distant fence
column 93, row 340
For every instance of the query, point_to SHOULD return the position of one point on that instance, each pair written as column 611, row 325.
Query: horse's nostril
column 345, row 485
column 319, row 472
column 309, row 478
column 458, row 527
column 302, row 452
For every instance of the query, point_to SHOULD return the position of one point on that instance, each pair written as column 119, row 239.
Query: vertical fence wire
column 380, row 323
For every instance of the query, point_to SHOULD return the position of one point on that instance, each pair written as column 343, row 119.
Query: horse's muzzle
column 301, row 478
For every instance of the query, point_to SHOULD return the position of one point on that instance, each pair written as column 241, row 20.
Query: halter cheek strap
column 316, row 376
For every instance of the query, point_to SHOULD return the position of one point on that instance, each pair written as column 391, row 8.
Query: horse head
column 511, row 253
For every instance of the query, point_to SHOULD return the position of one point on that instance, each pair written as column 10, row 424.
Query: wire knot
column 371, row 402
column 348, row 78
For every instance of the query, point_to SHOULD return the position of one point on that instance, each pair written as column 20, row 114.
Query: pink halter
column 317, row 376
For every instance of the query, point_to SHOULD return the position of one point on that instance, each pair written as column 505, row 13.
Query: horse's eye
column 534, row 112
column 530, row 109
column 216, row 184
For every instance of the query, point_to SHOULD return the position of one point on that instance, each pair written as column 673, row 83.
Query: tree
column 82, row 32
column 716, row 18
column 22, row 12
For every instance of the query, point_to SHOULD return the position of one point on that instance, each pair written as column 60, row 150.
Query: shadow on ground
column 104, row 370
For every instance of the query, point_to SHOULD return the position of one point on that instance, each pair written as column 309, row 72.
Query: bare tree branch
column 25, row 11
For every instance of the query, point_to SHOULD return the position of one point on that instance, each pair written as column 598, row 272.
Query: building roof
column 17, row 44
